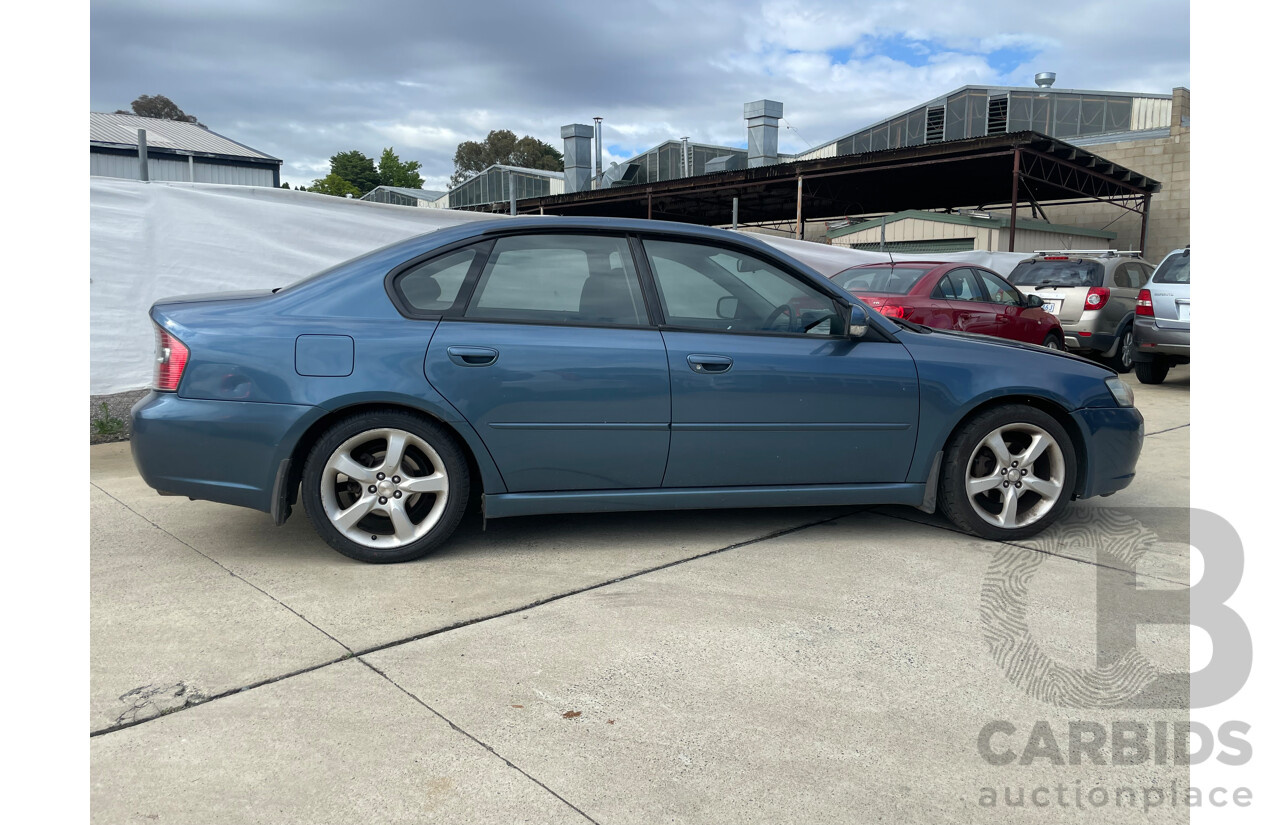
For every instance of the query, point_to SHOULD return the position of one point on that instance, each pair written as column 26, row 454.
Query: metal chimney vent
column 1045, row 79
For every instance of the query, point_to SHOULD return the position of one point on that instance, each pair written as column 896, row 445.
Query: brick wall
column 1168, row 160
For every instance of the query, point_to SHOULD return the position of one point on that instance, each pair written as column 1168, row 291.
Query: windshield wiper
column 911, row 325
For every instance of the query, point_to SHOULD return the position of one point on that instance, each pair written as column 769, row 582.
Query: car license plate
column 1051, row 307
column 1184, row 311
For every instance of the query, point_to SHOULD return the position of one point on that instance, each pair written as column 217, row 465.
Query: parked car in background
column 573, row 365
column 955, row 296
column 1162, row 320
column 1093, row 293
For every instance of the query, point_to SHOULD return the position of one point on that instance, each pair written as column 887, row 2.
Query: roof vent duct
column 577, row 157
column 762, row 131
column 1045, row 79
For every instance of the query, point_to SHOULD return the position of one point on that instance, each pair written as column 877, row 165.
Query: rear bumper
column 1112, row 443
column 1152, row 340
column 1086, row 342
column 223, row 451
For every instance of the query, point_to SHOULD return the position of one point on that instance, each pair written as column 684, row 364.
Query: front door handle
column 472, row 356
column 711, row 364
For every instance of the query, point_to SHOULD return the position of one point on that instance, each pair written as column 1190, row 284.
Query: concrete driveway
column 814, row 665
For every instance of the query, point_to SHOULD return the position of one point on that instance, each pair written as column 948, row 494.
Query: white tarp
column 152, row 240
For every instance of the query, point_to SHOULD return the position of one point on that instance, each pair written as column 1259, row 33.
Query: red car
column 952, row 295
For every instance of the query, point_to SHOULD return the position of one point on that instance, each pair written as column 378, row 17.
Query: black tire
column 409, row 523
column 967, row 457
column 1053, row 341
column 1153, row 371
column 1123, row 360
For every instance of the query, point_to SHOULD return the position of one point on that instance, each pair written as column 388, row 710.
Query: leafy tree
column 502, row 146
column 161, row 107
column 333, row 184
column 356, row 169
column 284, row 185
column 394, row 172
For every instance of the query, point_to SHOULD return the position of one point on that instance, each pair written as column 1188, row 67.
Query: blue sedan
column 553, row 365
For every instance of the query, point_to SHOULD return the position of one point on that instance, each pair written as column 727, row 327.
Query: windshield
column 1176, row 269
column 1057, row 273
column 889, row 280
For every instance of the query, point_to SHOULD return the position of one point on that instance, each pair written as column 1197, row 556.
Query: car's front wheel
column 1008, row 473
column 385, row 487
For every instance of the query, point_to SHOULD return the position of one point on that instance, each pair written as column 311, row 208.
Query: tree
column 161, row 107
column 284, row 185
column 394, row 172
column 501, row 146
column 333, row 184
column 356, row 169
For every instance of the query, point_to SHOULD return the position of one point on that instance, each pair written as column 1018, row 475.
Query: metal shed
column 175, row 151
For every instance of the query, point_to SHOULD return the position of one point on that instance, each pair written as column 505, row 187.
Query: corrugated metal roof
column 122, row 130
column 998, row 221
column 420, row 194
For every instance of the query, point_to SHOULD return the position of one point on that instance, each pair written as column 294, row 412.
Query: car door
column 763, row 393
column 974, row 313
column 1012, row 321
column 556, row 365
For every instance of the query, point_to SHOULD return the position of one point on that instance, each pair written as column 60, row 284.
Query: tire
column 416, row 500
column 1052, row 341
column 975, row 488
column 1123, row 360
column 1153, row 371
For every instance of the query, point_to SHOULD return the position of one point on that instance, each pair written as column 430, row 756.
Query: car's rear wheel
column 385, row 487
column 1153, row 371
column 1008, row 473
column 1052, row 341
column 1123, row 360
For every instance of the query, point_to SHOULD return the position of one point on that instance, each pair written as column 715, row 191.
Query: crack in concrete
column 449, row 628
column 478, row 741
column 1167, row 430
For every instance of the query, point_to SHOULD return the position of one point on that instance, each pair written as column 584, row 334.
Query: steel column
column 1146, row 210
column 1013, row 200
column 799, row 209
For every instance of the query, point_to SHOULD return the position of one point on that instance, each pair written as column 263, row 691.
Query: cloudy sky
column 304, row 79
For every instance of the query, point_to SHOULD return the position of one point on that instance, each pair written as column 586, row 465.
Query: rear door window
column 569, row 279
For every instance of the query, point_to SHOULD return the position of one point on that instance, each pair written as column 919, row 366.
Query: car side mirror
column 858, row 321
column 727, row 308
column 1035, row 301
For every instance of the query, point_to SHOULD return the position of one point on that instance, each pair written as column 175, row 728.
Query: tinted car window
column 1174, row 270
column 694, row 282
column 998, row 291
column 434, row 285
column 889, row 280
column 583, row 279
column 960, row 285
column 1057, row 273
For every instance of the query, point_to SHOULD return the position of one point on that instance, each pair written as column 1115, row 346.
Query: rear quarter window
column 1174, row 270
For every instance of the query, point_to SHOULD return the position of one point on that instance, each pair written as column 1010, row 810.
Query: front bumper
column 224, row 451
column 1112, row 443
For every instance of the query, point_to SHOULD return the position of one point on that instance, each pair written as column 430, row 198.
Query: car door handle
column 472, row 356
column 709, row 363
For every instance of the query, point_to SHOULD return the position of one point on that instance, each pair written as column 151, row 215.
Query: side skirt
column 503, row 505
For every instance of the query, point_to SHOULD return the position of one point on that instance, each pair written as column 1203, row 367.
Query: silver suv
column 1162, row 326
column 1093, row 292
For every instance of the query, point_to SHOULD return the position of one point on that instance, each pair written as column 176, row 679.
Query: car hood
column 1005, row 342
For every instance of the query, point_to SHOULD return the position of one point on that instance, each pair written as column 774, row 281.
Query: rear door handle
column 472, row 356
column 709, row 364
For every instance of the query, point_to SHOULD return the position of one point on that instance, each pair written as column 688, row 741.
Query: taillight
column 1055, row 258
column 893, row 311
column 171, row 360
column 1097, row 297
column 1144, row 306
